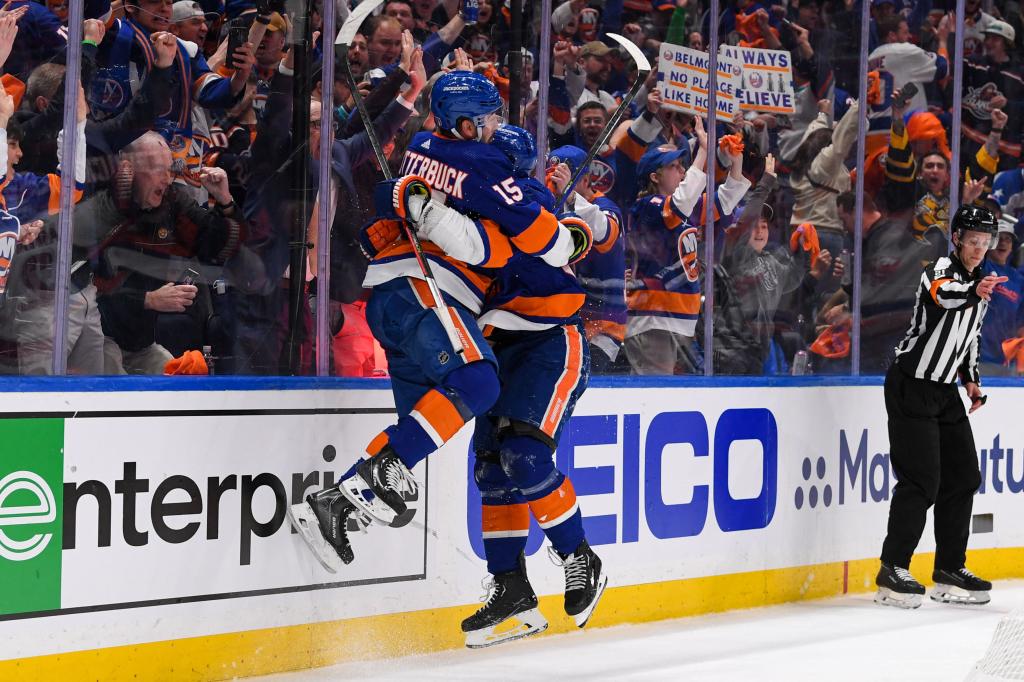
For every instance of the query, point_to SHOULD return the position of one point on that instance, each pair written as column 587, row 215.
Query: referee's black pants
column 932, row 452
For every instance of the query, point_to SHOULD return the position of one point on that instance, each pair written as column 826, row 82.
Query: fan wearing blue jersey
column 437, row 388
column 663, row 294
column 531, row 318
column 602, row 272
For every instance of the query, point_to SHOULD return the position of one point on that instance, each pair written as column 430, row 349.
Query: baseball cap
column 277, row 22
column 595, row 48
column 1000, row 28
column 186, row 9
column 570, row 155
column 658, row 157
column 1008, row 224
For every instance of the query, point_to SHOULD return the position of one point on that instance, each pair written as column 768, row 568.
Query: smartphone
column 907, row 93
column 238, row 34
column 190, row 277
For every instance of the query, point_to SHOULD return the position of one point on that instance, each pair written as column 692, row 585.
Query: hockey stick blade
column 355, row 20
column 643, row 69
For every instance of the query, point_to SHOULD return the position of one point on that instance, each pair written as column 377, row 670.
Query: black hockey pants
column 935, row 461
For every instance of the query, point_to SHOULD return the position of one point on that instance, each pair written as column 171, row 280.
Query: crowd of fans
column 185, row 199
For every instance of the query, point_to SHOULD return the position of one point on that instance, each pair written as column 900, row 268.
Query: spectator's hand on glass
column 170, row 298
column 974, row 189
column 8, row 32
column 462, row 61
column 408, row 46
column 93, row 30
column 769, row 169
column 944, row 29
column 215, row 180
column 165, row 48
column 417, row 75
column 17, row 12
column 29, row 232
column 999, row 118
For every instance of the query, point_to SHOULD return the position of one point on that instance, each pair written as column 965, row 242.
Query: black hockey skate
column 509, row 597
column 584, row 581
column 322, row 521
column 897, row 587
column 379, row 486
column 960, row 587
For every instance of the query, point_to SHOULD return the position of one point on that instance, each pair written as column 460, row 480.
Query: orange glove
column 805, row 235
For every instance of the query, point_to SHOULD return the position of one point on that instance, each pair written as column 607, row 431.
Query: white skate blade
column 583, row 616
column 530, row 623
column 951, row 594
column 887, row 597
column 305, row 522
column 352, row 488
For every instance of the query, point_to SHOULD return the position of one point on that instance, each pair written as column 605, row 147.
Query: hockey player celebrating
column 438, row 387
column 531, row 319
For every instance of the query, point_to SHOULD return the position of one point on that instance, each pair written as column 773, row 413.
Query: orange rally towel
column 1013, row 350
column 731, row 144
column 13, row 87
column 807, row 236
column 190, row 362
column 874, row 88
column 834, row 342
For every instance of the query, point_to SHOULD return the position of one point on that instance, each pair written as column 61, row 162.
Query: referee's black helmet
column 975, row 219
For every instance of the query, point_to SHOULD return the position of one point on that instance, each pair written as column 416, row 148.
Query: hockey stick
column 643, row 69
column 345, row 36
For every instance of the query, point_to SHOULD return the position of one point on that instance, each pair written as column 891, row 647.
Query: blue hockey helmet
column 519, row 146
column 463, row 94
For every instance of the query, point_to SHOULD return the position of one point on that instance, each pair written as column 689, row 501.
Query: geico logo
column 168, row 519
column 642, row 465
column 41, row 511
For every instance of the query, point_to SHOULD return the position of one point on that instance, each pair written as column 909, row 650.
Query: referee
column 930, row 439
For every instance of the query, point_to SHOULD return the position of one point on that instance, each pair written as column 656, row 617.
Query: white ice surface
column 835, row 640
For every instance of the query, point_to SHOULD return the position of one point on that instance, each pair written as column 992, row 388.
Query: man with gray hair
column 141, row 238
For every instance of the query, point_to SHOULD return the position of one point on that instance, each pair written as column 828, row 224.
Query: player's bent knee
column 475, row 385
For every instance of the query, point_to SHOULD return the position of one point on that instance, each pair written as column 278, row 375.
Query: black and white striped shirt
column 943, row 338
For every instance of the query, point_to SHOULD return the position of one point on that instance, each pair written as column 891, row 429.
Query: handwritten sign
column 683, row 79
column 766, row 83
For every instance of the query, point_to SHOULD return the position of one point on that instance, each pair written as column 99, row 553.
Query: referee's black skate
column 584, row 581
column 960, row 587
column 380, row 485
column 322, row 521
column 510, row 597
column 897, row 587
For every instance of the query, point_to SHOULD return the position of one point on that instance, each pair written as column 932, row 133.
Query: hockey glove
column 401, row 198
column 377, row 235
column 582, row 237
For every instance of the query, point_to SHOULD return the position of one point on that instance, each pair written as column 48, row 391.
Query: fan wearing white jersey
column 898, row 62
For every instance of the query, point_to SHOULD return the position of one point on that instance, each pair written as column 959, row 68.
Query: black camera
column 267, row 7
